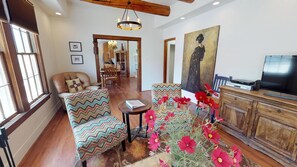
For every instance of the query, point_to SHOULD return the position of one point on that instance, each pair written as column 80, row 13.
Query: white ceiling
column 52, row 6
column 163, row 2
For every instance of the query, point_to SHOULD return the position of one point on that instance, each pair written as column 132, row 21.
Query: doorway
column 169, row 58
column 126, row 56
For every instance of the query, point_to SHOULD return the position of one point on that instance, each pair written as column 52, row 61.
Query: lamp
column 126, row 23
column 112, row 45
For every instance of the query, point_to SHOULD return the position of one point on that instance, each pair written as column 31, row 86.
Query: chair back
column 85, row 106
column 110, row 72
column 220, row 81
column 60, row 80
column 170, row 89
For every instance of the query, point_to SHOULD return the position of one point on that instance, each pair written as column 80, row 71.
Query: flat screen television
column 280, row 75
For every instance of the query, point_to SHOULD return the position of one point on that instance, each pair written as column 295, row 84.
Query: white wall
column 133, row 58
column 22, row 138
column 250, row 29
column 85, row 19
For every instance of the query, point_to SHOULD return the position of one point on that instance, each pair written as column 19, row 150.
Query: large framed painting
column 200, row 51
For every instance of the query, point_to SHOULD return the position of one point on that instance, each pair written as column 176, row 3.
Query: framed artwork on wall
column 75, row 46
column 200, row 51
column 77, row 59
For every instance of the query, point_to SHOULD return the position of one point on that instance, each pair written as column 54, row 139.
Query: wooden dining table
column 118, row 74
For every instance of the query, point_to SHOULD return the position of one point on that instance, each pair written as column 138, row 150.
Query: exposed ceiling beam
column 188, row 1
column 137, row 5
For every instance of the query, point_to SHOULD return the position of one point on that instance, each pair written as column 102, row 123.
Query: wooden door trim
column 165, row 58
column 122, row 38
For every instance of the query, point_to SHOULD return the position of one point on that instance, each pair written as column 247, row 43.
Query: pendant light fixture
column 126, row 23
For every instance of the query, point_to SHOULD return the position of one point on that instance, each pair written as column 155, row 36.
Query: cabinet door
column 275, row 128
column 235, row 111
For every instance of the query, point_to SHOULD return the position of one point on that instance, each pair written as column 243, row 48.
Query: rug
column 136, row 151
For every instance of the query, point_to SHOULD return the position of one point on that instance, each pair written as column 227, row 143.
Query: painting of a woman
column 200, row 51
column 194, row 69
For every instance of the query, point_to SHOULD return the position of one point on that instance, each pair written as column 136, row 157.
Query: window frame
column 23, row 107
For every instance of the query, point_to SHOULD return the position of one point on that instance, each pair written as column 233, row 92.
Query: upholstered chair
column 181, row 118
column 94, row 129
column 62, row 87
column 170, row 89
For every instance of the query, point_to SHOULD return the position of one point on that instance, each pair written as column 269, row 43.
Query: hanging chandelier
column 112, row 45
column 125, row 23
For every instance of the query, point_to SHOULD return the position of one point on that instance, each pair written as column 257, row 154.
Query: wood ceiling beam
column 187, row 1
column 137, row 5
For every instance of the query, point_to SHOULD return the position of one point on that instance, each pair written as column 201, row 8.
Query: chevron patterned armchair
column 161, row 89
column 171, row 90
column 94, row 129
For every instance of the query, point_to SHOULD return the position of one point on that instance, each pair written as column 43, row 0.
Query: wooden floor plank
column 55, row 147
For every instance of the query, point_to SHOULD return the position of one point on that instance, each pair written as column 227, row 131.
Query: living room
column 249, row 30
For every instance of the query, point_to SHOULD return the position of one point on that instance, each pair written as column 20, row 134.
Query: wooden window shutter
column 22, row 13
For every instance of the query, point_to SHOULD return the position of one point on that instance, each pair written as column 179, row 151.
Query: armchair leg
column 124, row 145
column 84, row 163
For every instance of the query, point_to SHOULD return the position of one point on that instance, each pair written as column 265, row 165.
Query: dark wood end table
column 137, row 111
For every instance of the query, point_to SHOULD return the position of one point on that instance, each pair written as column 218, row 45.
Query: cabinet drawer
column 238, row 102
column 277, row 112
column 276, row 128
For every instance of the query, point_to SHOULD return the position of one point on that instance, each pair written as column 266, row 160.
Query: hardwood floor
column 56, row 148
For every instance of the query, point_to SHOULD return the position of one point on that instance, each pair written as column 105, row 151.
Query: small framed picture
column 75, row 46
column 77, row 59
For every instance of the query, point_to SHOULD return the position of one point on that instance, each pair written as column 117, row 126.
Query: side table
column 126, row 111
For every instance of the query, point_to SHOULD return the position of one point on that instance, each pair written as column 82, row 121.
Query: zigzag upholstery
column 86, row 106
column 170, row 89
column 94, row 129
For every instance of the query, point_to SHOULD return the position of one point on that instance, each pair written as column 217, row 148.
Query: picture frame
column 77, row 59
column 75, row 46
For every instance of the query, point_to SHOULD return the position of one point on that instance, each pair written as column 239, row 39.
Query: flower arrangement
column 189, row 140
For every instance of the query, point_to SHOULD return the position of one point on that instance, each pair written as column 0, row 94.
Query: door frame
column 96, row 37
column 165, row 58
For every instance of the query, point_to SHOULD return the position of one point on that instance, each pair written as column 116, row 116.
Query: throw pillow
column 74, row 85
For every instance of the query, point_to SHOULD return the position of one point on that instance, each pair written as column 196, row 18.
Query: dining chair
column 220, row 81
column 110, row 74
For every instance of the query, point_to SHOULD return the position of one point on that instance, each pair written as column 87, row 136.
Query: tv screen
column 280, row 74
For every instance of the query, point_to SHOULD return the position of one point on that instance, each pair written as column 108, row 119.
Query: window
column 23, row 84
column 7, row 105
column 27, row 53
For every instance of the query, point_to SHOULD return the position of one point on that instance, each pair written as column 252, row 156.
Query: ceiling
column 157, row 7
column 162, row 2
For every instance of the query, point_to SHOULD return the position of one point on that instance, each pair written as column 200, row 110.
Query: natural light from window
column 26, row 53
column 7, row 106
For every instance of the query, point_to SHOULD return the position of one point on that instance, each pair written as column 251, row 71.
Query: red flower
column 187, row 144
column 181, row 101
column 162, row 127
column 154, row 142
column 221, row 158
column 163, row 164
column 150, row 116
column 170, row 114
column 210, row 90
column 166, row 118
column 210, row 102
column 236, row 156
column 212, row 135
column 167, row 149
column 163, row 99
column 200, row 96
column 151, row 125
